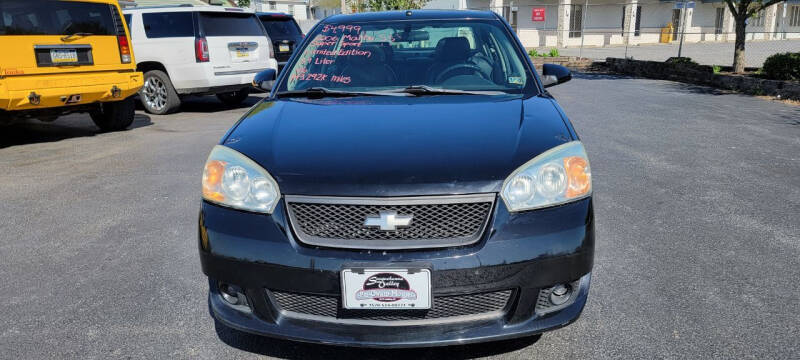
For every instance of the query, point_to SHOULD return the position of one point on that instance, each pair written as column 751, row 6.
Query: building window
column 719, row 20
column 272, row 5
column 575, row 20
column 794, row 15
column 758, row 19
column 291, row 9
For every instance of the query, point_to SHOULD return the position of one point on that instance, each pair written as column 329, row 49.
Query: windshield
column 227, row 24
column 469, row 55
column 44, row 17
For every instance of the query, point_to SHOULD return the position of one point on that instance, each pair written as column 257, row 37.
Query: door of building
column 575, row 20
column 676, row 23
column 719, row 20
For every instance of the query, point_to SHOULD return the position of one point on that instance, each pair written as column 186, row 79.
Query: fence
column 658, row 30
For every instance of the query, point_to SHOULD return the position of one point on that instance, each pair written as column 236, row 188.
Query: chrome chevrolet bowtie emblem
column 388, row 220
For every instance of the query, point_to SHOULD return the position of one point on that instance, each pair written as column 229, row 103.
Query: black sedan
column 408, row 182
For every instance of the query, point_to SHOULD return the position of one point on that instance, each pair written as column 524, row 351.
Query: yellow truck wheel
column 115, row 116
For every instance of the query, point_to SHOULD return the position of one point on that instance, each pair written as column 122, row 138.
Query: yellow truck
column 61, row 57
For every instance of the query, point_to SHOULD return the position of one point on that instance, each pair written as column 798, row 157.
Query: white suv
column 197, row 50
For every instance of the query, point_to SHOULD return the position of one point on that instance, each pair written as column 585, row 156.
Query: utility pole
column 583, row 27
column 682, row 27
column 344, row 7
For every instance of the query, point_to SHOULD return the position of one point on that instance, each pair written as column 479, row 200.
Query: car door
column 237, row 43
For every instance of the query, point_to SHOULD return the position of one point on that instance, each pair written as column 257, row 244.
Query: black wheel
column 114, row 116
column 234, row 98
column 157, row 94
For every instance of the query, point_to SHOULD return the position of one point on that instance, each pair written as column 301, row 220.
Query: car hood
column 397, row 146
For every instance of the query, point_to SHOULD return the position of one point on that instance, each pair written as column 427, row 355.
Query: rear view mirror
column 411, row 36
column 265, row 79
column 553, row 74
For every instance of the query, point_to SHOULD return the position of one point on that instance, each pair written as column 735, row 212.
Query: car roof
column 414, row 15
column 102, row 1
column 279, row 14
column 178, row 8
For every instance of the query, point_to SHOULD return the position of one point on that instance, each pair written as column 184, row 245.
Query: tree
column 743, row 10
column 328, row 4
column 382, row 5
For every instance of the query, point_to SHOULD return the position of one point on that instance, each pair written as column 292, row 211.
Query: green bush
column 533, row 53
column 785, row 66
column 716, row 69
column 681, row 60
column 553, row 52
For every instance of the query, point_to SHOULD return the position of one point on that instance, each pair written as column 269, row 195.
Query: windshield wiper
column 70, row 36
column 420, row 90
column 320, row 92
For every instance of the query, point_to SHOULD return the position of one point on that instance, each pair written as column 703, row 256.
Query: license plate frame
column 402, row 288
column 63, row 56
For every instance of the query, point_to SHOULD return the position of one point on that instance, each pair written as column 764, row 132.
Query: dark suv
column 408, row 182
column 284, row 32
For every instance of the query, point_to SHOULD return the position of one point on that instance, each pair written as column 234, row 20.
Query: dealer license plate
column 242, row 52
column 386, row 289
column 61, row 56
column 283, row 48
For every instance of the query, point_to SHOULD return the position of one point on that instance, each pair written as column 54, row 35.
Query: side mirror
column 553, row 74
column 265, row 79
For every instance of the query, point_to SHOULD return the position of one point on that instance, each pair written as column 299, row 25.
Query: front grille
column 435, row 221
column 490, row 303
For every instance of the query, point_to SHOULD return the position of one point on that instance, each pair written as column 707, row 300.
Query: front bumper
column 523, row 252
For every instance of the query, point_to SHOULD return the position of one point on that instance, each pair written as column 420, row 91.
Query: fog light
column 230, row 293
column 560, row 294
column 115, row 91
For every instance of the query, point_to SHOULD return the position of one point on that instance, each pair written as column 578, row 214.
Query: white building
column 561, row 23
column 319, row 12
column 297, row 8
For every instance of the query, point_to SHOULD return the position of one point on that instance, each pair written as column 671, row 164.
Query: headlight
column 233, row 180
column 557, row 176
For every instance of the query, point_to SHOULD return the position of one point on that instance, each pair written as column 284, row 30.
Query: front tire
column 114, row 116
column 158, row 96
column 234, row 98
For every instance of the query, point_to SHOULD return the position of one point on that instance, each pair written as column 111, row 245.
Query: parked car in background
column 284, row 33
column 408, row 182
column 203, row 50
column 61, row 57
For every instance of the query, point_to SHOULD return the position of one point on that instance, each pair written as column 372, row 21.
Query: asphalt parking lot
column 698, row 238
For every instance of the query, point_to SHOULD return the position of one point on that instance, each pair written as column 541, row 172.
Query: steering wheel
column 439, row 78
